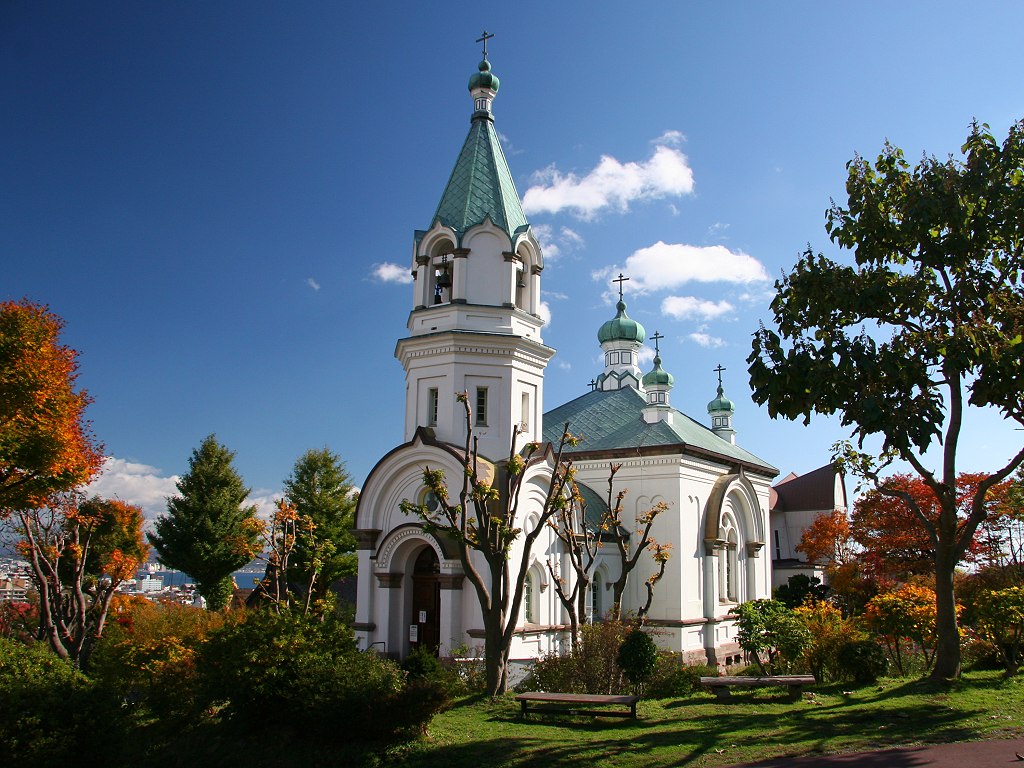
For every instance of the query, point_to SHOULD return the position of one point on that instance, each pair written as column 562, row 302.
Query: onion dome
column 621, row 328
column 484, row 78
column 659, row 377
column 721, row 403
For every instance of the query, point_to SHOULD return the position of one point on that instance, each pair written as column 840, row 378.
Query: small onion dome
column 484, row 78
column 721, row 403
column 621, row 328
column 659, row 377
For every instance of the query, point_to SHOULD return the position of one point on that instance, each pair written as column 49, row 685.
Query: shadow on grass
column 701, row 729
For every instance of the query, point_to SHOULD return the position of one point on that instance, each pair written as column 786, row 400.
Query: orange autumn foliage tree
column 45, row 443
column 896, row 542
column 80, row 551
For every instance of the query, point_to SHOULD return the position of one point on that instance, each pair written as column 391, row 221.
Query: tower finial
column 483, row 39
column 719, row 370
column 655, row 337
column 620, row 280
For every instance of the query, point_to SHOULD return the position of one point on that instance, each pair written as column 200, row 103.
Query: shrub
column 52, row 715
column 1001, row 618
column 799, row 588
column 147, row 655
column 829, row 631
column 306, row 676
column 771, row 633
column 591, row 668
column 861, row 660
column 672, row 678
column 637, row 657
column 905, row 620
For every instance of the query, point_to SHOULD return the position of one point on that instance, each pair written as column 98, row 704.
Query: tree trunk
column 947, row 650
column 495, row 656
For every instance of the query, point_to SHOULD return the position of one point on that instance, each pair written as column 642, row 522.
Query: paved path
column 968, row 754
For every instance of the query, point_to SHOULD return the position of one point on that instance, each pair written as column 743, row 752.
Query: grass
column 700, row 731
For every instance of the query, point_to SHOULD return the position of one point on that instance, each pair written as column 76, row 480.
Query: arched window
column 728, row 562
column 529, row 598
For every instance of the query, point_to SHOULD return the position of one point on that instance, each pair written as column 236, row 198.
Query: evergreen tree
column 320, row 488
column 207, row 532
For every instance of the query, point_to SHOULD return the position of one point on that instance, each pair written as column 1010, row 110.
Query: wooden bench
column 720, row 685
column 577, row 704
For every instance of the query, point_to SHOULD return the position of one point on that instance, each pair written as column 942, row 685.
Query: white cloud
column 612, row 184
column 148, row 488
column 645, row 357
column 553, row 243
column 312, row 283
column 705, row 340
column 135, row 483
column 687, row 307
column 544, row 310
column 392, row 273
column 664, row 266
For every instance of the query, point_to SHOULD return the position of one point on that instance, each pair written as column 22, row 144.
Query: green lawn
column 699, row 731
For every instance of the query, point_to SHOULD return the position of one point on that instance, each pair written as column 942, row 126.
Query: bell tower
column 475, row 323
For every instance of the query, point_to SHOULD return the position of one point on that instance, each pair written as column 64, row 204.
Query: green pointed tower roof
column 481, row 185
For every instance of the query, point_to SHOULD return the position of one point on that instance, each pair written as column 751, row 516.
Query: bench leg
column 721, row 691
column 796, row 692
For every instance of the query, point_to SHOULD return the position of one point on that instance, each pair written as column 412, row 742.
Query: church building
column 475, row 327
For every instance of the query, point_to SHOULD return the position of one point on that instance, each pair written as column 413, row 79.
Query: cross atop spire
column 719, row 370
column 620, row 280
column 655, row 337
column 483, row 39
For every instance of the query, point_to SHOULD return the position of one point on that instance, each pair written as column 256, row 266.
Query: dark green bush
column 306, row 676
column 51, row 714
column 637, row 657
column 672, row 678
column 862, row 661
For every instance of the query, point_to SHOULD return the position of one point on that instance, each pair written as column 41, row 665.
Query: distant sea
column 245, row 578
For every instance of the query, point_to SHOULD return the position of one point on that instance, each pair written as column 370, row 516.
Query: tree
column 928, row 324
column 828, row 540
column 207, row 532
column 46, row 446
column 581, row 540
column 80, row 551
column 482, row 518
column 628, row 558
column 894, row 542
column 321, row 490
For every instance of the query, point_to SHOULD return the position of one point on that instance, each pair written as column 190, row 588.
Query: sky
column 219, row 199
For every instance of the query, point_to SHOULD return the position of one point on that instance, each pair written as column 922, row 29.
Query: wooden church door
column 426, row 601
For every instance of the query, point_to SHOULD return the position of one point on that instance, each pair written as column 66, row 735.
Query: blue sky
column 215, row 196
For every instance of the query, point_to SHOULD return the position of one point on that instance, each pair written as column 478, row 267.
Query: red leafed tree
column 828, row 540
column 45, row 443
column 80, row 550
column 895, row 538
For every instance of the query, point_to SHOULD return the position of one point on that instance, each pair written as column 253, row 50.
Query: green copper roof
column 484, row 78
column 621, row 327
column 659, row 376
column 613, row 420
column 721, row 403
column 481, row 185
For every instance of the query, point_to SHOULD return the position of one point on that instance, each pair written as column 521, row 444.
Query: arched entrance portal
column 426, row 602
